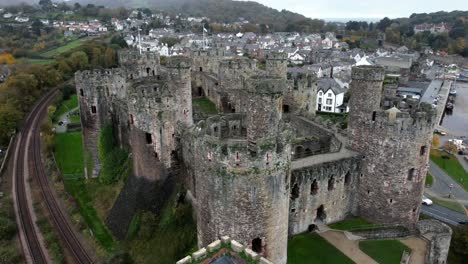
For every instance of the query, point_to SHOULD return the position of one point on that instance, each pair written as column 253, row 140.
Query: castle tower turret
column 180, row 78
column 139, row 65
column 277, row 64
column 265, row 107
column 243, row 172
column 395, row 146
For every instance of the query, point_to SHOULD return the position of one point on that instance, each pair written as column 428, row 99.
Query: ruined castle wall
column 138, row 65
column 93, row 89
column 439, row 236
column 331, row 185
column 207, row 60
column 301, row 95
column 277, row 64
column 327, row 139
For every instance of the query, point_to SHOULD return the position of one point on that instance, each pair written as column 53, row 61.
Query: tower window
column 373, row 115
column 314, row 188
column 81, row 92
column 149, row 138
column 257, row 245
column 347, row 178
column 201, row 69
column 422, row 151
column 131, row 119
column 331, row 183
column 411, row 173
column 295, row 191
column 93, row 109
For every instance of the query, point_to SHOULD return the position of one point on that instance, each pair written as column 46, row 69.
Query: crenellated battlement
column 368, row 73
column 266, row 86
column 131, row 57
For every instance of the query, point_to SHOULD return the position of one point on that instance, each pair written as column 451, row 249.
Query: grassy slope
column 451, row 205
column 69, row 155
column 352, row 223
column 204, row 105
column 384, row 251
column 66, row 106
column 35, row 61
column 62, row 49
column 451, row 166
column 429, row 180
column 69, row 152
column 312, row 248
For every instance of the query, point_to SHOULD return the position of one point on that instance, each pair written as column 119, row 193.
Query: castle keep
column 264, row 168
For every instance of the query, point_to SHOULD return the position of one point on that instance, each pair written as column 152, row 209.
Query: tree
column 458, row 248
column 7, row 58
column 36, row 27
column 435, row 141
column 450, row 147
column 9, row 118
column 46, row 4
column 79, row 60
column 110, row 58
column 384, row 24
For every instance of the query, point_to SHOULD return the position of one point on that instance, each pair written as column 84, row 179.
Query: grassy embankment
column 384, row 251
column 62, row 49
column 312, row 248
column 450, row 164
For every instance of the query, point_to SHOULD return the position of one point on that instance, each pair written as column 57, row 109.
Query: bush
column 8, row 254
column 7, row 228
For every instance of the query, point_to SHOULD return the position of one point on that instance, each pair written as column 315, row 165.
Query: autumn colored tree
column 435, row 141
column 7, row 58
column 450, row 147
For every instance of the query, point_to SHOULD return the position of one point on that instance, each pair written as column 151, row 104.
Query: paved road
column 443, row 214
column 442, row 183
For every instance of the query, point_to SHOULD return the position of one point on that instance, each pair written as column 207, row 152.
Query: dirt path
column 418, row 249
column 348, row 247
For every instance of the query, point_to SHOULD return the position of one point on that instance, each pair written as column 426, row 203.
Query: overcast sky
column 364, row 8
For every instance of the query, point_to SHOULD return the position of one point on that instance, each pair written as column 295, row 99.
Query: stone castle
column 264, row 168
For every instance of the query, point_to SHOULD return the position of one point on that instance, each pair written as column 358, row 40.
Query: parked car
column 426, row 201
column 440, row 132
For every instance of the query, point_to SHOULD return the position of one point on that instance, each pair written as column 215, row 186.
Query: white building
column 330, row 96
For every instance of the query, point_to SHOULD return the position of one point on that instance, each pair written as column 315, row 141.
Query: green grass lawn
column 451, row 166
column 75, row 118
column 312, row 248
column 62, row 49
column 429, row 180
column 384, row 251
column 35, row 61
column 69, row 156
column 66, row 106
column 69, row 153
column 77, row 188
column 204, row 105
column 353, row 224
column 449, row 204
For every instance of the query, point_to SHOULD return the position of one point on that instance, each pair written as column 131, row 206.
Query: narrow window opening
column 131, row 119
column 314, row 188
column 149, row 138
column 321, row 213
column 374, row 115
column 148, row 70
column 257, row 245
column 201, row 69
column 81, row 92
column 295, row 191
column 93, row 109
column 422, row 151
column 347, row 178
column 411, row 174
column 331, row 183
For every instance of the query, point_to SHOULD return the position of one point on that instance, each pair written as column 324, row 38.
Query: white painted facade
column 329, row 101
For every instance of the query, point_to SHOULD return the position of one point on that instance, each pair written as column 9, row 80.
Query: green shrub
column 7, row 228
column 115, row 161
column 8, row 254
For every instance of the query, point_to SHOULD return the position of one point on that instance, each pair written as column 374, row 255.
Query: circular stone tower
column 395, row 146
column 242, row 174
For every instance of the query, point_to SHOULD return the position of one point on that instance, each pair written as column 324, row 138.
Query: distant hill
column 224, row 11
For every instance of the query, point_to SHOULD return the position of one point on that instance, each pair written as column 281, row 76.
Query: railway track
column 28, row 159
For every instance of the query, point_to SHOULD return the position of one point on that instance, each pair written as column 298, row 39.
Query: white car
column 426, row 201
